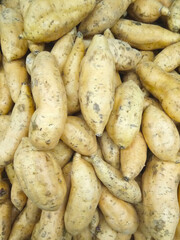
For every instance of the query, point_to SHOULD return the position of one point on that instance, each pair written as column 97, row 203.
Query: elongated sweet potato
column 105, row 14
column 144, row 36
column 96, row 89
column 48, row 20
column 40, row 176
column 48, row 121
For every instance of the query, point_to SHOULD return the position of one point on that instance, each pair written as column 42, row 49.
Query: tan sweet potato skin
column 51, row 223
column 104, row 231
column 112, row 178
column 70, row 74
column 43, row 23
column 159, row 186
column 104, row 15
column 125, row 57
column 125, row 119
column 109, row 150
column 82, row 203
column 16, row 74
column 18, row 197
column 5, row 96
column 120, row 216
column 96, row 89
column 78, row 136
column 147, row 11
column 61, row 153
column 168, row 59
column 25, row 222
column 144, row 36
column 44, row 172
column 133, row 158
column 5, row 219
column 174, row 18
column 11, row 27
column 18, row 127
column 48, row 91
column 160, row 134
column 63, row 47
column 164, row 86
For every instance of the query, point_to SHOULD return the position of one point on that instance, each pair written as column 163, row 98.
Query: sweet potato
column 5, row 219
column 11, row 4
column 125, row 57
column 61, row 153
column 5, row 97
column 16, row 74
column 174, row 18
column 142, row 232
column 82, row 203
column 159, row 187
column 94, row 222
column 43, row 23
column 151, row 101
column 112, row 178
column 70, row 74
column 133, row 158
column 125, row 119
column 4, row 190
column 169, row 58
column 96, row 89
column 121, row 236
column 78, row 136
column 18, row 127
column 166, row 3
column 109, row 150
column 24, row 5
column 164, row 86
column 104, row 231
column 147, row 11
column 120, row 216
column 63, row 47
column 144, row 36
column 108, row 34
column 85, row 234
column 51, row 223
column 11, row 26
column 25, row 222
column 35, row 48
column 177, row 234
column 29, row 62
column 42, row 181
column 161, row 134
column 18, row 198
column 48, row 91
column 105, row 14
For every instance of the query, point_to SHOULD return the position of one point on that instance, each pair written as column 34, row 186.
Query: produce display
column 90, row 120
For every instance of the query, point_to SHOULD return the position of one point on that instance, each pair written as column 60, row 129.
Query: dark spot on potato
column 2, row 192
column 96, row 107
column 159, row 225
column 48, row 142
column 126, row 179
column 154, row 168
column 34, row 126
column 21, row 107
column 98, row 229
